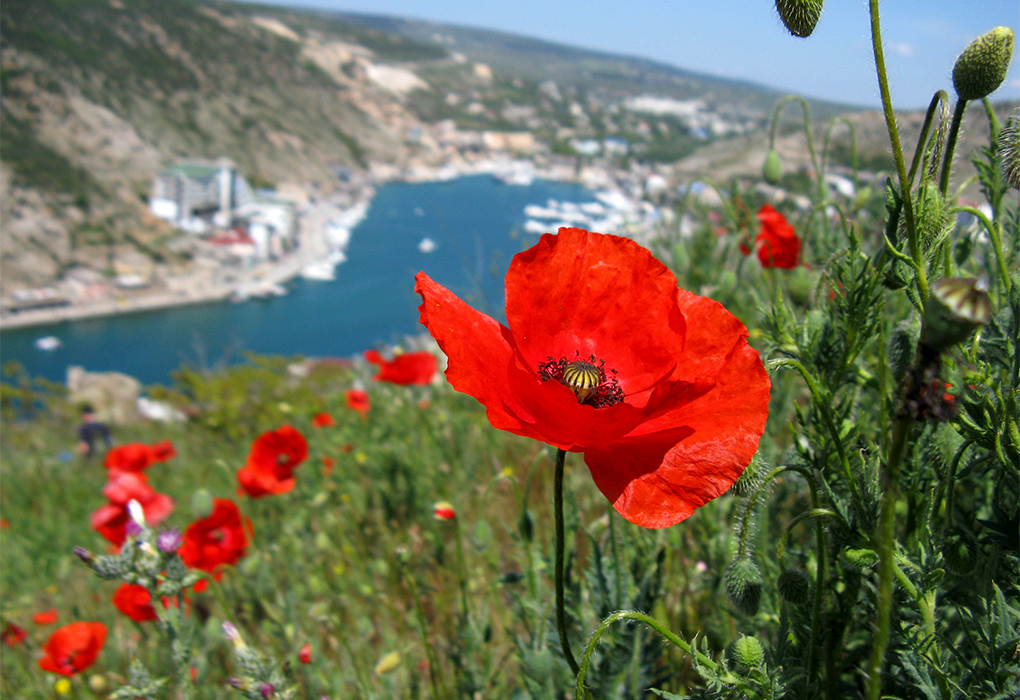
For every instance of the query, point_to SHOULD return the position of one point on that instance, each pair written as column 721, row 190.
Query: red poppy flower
column 408, row 368
column 111, row 520
column 73, row 648
column 602, row 354
column 777, row 243
column 163, row 450
column 46, row 617
column 322, row 420
column 217, row 540
column 132, row 457
column 443, row 510
column 270, row 467
column 135, row 602
column 358, row 400
column 13, row 634
column 305, row 654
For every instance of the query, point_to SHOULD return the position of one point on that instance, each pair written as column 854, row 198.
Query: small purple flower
column 169, row 541
column 132, row 529
column 267, row 690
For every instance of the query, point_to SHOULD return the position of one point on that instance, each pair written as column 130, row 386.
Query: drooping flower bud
column 772, row 171
column 931, row 216
column 748, row 652
column 743, row 585
column 794, row 587
column 1008, row 148
column 956, row 307
column 982, row 66
column 799, row 16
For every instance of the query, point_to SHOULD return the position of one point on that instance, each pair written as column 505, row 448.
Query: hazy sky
column 744, row 38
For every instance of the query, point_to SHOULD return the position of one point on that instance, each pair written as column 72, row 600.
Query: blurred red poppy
column 305, row 654
column 777, row 243
column 135, row 602
column 110, row 520
column 46, row 617
column 13, row 634
column 322, row 420
column 218, row 540
column 602, row 354
column 271, row 462
column 73, row 648
column 443, row 510
column 131, row 457
column 358, row 400
column 163, row 450
column 408, row 368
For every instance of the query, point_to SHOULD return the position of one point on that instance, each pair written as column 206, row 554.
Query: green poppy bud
column 956, row 307
column 902, row 346
column 748, row 652
column 860, row 559
column 931, row 217
column 743, row 585
column 982, row 66
column 799, row 16
column 794, row 587
column 201, row 504
column 772, row 171
column 960, row 551
column 1008, row 147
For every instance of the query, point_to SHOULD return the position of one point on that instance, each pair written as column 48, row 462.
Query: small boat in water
column 48, row 342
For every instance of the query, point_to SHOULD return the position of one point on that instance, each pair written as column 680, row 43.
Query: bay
column 476, row 223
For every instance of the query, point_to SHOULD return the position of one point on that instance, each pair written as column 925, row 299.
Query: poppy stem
column 561, row 613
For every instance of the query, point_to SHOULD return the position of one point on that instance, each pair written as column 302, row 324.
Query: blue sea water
column 476, row 223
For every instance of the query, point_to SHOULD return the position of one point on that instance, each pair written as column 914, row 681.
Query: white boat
column 427, row 245
column 322, row 270
column 48, row 342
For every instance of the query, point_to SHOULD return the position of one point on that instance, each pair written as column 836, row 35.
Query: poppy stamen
column 588, row 379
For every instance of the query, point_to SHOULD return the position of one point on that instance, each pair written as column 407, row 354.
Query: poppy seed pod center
column 586, row 378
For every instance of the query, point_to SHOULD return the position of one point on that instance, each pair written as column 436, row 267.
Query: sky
column 744, row 39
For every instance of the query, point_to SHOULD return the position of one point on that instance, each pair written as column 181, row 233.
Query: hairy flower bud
column 748, row 652
column 1008, row 147
column 799, row 16
column 794, row 587
column 956, row 308
column 772, row 171
column 982, row 66
column 860, row 559
column 743, row 585
column 932, row 220
column 960, row 551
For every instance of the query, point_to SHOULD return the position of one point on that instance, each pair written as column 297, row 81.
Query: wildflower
column 73, row 648
column 122, row 487
column 135, row 602
column 328, row 464
column 169, row 540
column 62, row 686
column 163, row 450
column 270, row 467
column 13, row 634
column 217, row 540
column 305, row 654
column 408, row 368
column 777, row 242
column 358, row 400
column 322, row 420
column 132, row 457
column 604, row 355
column 390, row 662
column 46, row 617
column 444, row 511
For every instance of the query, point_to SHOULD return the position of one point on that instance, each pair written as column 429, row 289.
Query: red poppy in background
column 163, row 450
column 305, row 653
column 408, row 368
column 358, row 400
column 13, row 634
column 135, row 601
column 777, row 243
column 46, row 617
column 111, row 520
column 602, row 354
column 73, row 648
column 322, row 420
column 217, row 540
column 132, row 457
column 271, row 462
